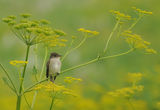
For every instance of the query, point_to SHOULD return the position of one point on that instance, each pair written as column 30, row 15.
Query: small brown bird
column 53, row 66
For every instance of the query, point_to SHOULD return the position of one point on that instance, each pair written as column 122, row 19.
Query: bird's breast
column 55, row 66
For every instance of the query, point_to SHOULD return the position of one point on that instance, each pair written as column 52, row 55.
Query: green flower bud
column 12, row 17
column 59, row 32
column 43, row 21
column 25, row 15
column 6, row 20
column 12, row 23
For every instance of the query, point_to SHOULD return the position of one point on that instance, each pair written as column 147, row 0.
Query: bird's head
column 55, row 55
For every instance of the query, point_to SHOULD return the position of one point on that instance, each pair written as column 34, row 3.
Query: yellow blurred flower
column 16, row 62
column 52, row 87
column 142, row 11
column 71, row 79
column 152, row 51
column 137, row 42
column 126, row 92
column 134, row 77
column 120, row 15
column 88, row 31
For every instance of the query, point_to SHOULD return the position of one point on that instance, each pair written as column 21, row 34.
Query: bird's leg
column 51, row 78
column 56, row 76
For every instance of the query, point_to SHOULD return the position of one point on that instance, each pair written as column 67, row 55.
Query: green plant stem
column 110, row 36
column 44, row 62
column 70, row 50
column 11, row 88
column 41, row 74
column 26, row 100
column 18, row 35
column 137, row 20
column 34, row 99
column 21, row 81
column 29, row 88
column 52, row 101
column 14, row 88
column 130, row 103
column 51, row 104
column 36, row 61
column 97, row 59
column 78, row 66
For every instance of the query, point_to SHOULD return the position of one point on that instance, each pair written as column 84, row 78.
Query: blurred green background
column 69, row 15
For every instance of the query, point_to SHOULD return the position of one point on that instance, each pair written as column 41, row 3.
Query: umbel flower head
column 120, row 15
column 34, row 31
column 18, row 63
column 142, row 11
column 88, row 32
column 51, row 87
column 126, row 92
column 136, row 41
column 71, row 79
column 134, row 77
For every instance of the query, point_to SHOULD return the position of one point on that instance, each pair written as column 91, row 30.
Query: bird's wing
column 47, row 69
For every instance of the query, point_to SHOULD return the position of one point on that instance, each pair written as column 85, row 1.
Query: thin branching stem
column 7, row 74
column 78, row 66
column 17, row 34
column 52, row 101
column 70, row 50
column 51, row 106
column 110, row 36
column 44, row 62
column 36, row 61
column 41, row 74
column 97, row 59
column 29, row 88
column 137, row 20
column 26, row 100
column 131, row 104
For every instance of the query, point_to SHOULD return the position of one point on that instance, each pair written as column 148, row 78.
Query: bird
column 53, row 66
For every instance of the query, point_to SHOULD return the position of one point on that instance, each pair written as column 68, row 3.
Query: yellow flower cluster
column 142, row 11
column 135, row 77
column 137, row 42
column 16, row 62
column 53, row 41
column 35, row 31
column 120, row 15
column 151, row 51
column 88, row 31
column 86, row 104
column 127, row 92
column 71, row 79
column 52, row 87
column 158, row 105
